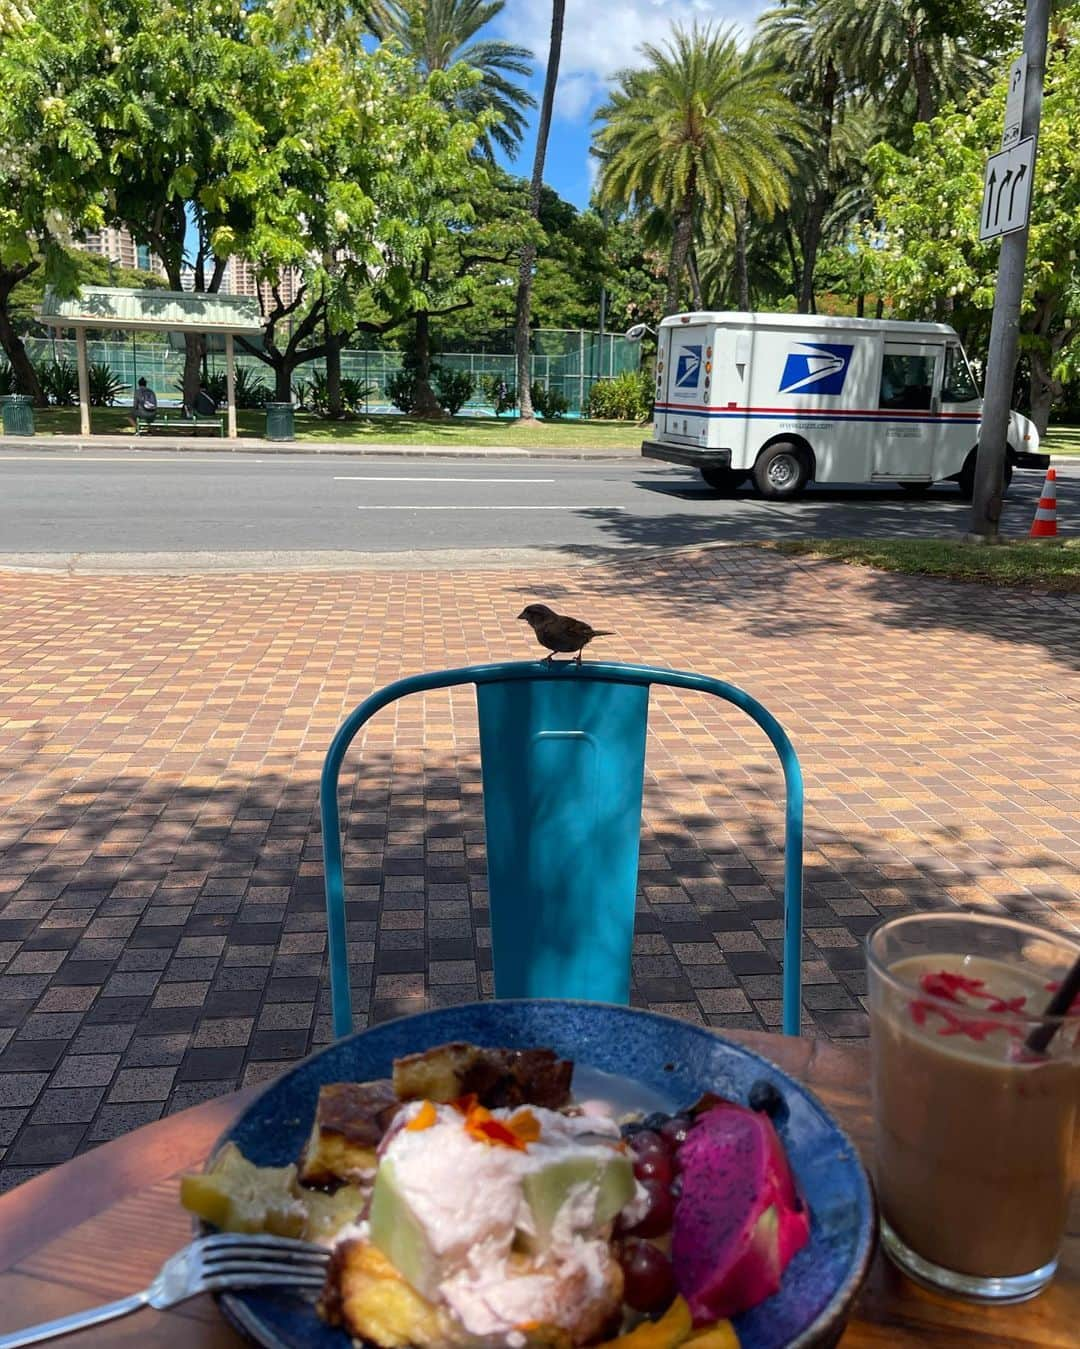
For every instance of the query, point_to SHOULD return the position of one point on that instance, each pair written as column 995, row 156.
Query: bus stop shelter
column 165, row 311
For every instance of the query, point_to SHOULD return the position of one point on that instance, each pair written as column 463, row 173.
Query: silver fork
column 208, row 1265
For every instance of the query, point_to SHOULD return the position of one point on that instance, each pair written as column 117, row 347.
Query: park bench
column 168, row 423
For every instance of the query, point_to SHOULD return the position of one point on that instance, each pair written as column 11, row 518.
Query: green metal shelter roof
column 153, row 311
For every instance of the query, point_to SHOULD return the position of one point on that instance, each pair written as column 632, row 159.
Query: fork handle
column 64, row 1325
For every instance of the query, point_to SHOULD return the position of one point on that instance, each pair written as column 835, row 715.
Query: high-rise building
column 118, row 246
column 240, row 279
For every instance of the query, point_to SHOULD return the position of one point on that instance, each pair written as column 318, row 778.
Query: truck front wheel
column 966, row 477
column 724, row 479
column 781, row 472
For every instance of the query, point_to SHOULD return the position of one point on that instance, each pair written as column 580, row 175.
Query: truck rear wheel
column 781, row 472
column 724, row 479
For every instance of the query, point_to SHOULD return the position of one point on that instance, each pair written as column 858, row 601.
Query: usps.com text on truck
column 788, row 399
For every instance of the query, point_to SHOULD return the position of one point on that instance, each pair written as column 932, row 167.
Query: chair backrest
column 563, row 755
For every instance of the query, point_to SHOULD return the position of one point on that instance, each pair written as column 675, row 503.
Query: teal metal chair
column 563, row 760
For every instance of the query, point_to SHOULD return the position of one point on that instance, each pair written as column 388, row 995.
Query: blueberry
column 675, row 1188
column 631, row 1127
column 656, row 1120
column 764, row 1096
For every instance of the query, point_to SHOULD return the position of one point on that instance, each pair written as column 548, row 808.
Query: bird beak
column 522, row 614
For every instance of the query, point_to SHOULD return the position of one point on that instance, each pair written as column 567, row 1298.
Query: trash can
column 279, row 421
column 17, row 414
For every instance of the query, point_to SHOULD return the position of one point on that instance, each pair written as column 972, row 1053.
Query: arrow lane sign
column 1001, row 192
column 1021, row 174
column 1007, row 190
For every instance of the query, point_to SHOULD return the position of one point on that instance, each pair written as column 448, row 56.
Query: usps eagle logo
column 688, row 367
column 816, row 367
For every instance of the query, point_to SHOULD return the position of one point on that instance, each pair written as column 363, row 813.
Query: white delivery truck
column 786, row 399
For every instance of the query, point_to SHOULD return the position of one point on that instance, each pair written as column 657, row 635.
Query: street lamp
column 638, row 331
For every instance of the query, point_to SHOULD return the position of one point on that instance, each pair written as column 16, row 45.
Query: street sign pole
column 1005, row 328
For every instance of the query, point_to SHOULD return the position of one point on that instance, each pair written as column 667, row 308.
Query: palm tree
column 701, row 130
column 523, row 306
column 896, row 48
column 796, row 37
column 440, row 33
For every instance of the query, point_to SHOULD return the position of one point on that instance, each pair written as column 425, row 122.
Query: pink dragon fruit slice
column 739, row 1219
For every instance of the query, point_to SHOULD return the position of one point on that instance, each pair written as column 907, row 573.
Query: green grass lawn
column 1034, row 565
column 493, row 432
column 1062, row 440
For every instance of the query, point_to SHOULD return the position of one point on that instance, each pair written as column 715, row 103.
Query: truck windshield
column 958, row 385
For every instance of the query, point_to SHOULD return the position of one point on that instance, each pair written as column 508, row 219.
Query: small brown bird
column 559, row 632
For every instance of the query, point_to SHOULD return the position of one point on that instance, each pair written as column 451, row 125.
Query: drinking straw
column 1056, row 1008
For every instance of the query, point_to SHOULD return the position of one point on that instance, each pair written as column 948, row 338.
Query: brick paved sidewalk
column 161, row 924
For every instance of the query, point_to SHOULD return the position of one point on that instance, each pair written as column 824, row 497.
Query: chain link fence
column 567, row 361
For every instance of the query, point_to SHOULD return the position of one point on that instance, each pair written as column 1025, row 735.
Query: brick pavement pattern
column 161, row 909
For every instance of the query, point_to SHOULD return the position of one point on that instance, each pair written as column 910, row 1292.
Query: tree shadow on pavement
column 773, row 595
column 177, row 933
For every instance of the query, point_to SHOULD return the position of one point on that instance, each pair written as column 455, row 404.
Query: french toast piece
column 350, row 1121
column 497, row 1077
column 366, row 1295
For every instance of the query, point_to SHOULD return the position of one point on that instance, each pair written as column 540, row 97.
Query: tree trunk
column 742, row 270
column 283, row 373
column 523, row 308
column 425, row 404
column 860, row 305
column 811, row 242
column 879, row 308
column 796, row 269
column 334, row 406
column 695, row 280
column 680, row 251
column 26, row 379
column 1044, row 390
column 920, row 74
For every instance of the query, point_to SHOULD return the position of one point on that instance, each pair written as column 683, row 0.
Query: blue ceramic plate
column 671, row 1063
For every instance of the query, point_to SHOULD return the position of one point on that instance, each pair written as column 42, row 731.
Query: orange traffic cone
column 1044, row 526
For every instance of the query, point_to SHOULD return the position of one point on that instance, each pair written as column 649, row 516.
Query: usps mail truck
column 787, row 399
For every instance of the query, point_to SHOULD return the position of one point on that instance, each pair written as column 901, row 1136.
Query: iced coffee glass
column 974, row 1127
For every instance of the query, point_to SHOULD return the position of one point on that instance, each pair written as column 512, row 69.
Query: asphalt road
column 154, row 502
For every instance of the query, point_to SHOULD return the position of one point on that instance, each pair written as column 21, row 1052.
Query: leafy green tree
column 926, row 254
column 438, row 34
column 703, row 129
column 467, row 234
column 572, row 265
column 228, row 116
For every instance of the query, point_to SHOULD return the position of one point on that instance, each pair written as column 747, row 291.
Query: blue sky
column 600, row 37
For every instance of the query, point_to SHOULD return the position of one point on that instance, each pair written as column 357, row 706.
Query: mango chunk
column 669, row 1332
column 720, row 1336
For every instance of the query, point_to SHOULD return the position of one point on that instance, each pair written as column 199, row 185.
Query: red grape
column 658, row 1215
column 653, row 1166
column 650, row 1283
column 645, row 1142
column 676, row 1129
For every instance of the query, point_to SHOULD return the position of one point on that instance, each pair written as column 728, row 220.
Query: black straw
column 1058, row 1006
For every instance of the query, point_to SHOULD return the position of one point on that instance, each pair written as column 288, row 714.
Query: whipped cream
column 467, row 1196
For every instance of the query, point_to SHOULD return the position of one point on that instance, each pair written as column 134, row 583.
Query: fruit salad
column 470, row 1204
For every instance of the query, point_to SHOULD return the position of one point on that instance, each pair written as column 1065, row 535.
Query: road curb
column 163, row 444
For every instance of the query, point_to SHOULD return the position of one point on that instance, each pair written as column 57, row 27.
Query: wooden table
column 99, row 1227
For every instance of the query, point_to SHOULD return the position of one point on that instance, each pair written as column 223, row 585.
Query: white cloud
column 601, row 37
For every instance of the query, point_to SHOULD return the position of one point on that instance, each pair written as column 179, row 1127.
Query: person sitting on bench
column 145, row 408
column 204, row 404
